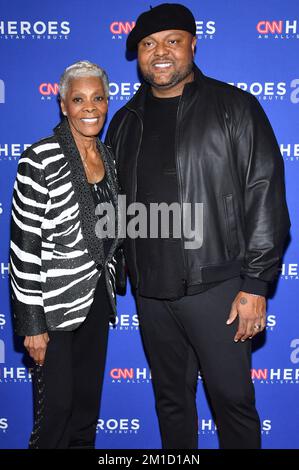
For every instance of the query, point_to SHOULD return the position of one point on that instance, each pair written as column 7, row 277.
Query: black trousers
column 67, row 388
column 184, row 335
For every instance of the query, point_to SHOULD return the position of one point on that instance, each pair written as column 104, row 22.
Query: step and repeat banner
column 253, row 45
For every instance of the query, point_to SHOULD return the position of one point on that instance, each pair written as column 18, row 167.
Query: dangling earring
column 65, row 114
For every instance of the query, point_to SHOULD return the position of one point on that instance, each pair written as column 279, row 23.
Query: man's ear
column 193, row 44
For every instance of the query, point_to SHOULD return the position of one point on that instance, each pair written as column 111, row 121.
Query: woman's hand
column 36, row 347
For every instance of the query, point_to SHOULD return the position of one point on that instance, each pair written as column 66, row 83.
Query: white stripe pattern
column 53, row 276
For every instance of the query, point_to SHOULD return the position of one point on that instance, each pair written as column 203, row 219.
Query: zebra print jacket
column 56, row 258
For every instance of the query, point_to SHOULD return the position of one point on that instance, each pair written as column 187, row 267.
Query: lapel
column 87, row 216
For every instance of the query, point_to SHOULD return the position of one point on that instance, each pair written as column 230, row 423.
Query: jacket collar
column 81, row 187
column 137, row 103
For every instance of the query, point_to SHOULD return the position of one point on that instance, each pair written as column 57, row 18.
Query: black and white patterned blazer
column 55, row 256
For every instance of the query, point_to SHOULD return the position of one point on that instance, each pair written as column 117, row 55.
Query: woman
column 62, row 269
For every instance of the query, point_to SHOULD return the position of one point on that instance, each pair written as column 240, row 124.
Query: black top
column 160, row 260
column 101, row 193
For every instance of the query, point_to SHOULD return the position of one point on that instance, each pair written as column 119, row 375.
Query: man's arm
column 261, row 172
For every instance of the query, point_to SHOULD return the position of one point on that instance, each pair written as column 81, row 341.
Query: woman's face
column 86, row 106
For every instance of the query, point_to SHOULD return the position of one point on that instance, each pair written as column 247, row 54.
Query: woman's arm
column 30, row 198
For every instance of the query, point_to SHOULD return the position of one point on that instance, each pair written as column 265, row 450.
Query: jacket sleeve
column 30, row 197
column 120, row 266
column 261, row 171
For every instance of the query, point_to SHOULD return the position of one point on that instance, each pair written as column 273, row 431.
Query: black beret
column 161, row 18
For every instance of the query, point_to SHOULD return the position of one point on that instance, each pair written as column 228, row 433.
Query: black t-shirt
column 101, row 193
column 159, row 260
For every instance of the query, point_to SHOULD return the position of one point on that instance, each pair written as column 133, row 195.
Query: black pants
column 184, row 335
column 68, row 387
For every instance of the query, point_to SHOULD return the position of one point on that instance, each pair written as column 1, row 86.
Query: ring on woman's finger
column 257, row 327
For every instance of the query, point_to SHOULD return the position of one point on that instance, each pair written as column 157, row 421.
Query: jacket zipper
column 179, row 178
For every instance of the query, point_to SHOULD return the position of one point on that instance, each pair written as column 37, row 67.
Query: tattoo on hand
column 243, row 300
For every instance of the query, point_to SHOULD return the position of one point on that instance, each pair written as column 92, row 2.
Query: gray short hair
column 83, row 68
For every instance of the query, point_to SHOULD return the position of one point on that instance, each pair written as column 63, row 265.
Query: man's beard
column 175, row 78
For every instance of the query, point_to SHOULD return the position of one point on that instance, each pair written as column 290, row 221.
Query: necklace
column 85, row 163
column 91, row 175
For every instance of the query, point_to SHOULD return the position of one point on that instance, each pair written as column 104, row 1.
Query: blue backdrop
column 251, row 44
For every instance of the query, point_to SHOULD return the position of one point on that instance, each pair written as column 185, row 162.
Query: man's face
column 166, row 58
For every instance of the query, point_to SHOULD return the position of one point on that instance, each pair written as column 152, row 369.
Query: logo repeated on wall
column 122, row 91
column 271, row 91
column 132, row 375
column 278, row 29
column 205, row 29
column 289, row 271
column 117, row 91
column 271, row 322
column 208, row 426
column 290, row 152
column 4, row 270
column 8, row 373
column 118, row 426
column 12, row 152
column 48, row 91
column 3, row 425
column 121, row 29
column 275, row 376
column 126, row 323
column 42, row 29
column 14, row 374
column 279, row 375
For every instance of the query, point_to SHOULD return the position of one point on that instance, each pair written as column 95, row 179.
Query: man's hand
column 36, row 347
column 252, row 315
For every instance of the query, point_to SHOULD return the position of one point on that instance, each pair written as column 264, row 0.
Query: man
column 185, row 138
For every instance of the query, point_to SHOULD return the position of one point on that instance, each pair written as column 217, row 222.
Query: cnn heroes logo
column 122, row 91
column 11, row 152
column 271, row 91
column 263, row 91
column 22, row 30
column 278, row 29
column 130, row 375
column 208, row 426
column 205, row 29
column 3, row 425
column 290, row 152
column 124, row 322
column 118, row 426
column 4, row 270
column 289, row 272
column 280, row 375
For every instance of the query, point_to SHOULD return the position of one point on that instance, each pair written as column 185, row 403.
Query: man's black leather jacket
column 227, row 158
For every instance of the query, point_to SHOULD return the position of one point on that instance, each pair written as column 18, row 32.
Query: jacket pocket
column 231, row 226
